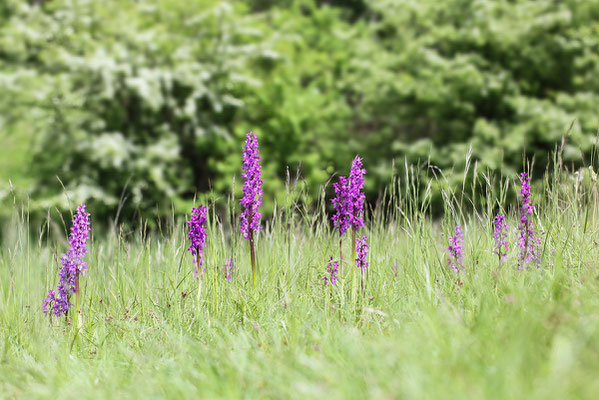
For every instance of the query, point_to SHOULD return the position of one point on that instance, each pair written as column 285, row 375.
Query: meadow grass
column 417, row 332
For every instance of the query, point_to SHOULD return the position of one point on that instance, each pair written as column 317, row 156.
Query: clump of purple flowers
column 362, row 250
column 356, row 198
column 197, row 236
column 252, row 195
column 349, row 204
column 456, row 250
column 355, row 195
column 500, row 232
column 332, row 270
column 529, row 242
column 252, row 187
column 72, row 265
column 342, row 217
column 229, row 269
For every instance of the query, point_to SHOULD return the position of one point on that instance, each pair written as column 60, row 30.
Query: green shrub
column 149, row 101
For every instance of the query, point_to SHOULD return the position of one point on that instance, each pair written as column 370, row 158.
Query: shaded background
column 149, row 100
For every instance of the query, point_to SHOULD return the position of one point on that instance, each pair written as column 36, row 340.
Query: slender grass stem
column 77, row 302
column 199, row 277
column 341, row 256
column 253, row 257
column 353, row 245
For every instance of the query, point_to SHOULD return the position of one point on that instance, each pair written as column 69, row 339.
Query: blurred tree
column 142, row 95
column 156, row 95
column 508, row 77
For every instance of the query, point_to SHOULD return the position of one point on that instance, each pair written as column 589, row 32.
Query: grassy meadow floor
column 415, row 334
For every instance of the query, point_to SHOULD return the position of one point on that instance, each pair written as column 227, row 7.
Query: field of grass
column 415, row 333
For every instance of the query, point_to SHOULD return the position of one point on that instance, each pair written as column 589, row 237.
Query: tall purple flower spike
column 528, row 241
column 500, row 232
column 252, row 195
column 72, row 265
column 342, row 217
column 456, row 250
column 252, row 187
column 355, row 194
column 349, row 205
column 362, row 253
column 332, row 270
column 197, row 236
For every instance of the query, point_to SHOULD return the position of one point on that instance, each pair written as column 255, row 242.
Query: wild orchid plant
column 500, row 232
column 58, row 302
column 362, row 250
column 342, row 217
column 252, row 195
column 529, row 242
column 332, row 270
column 349, row 205
column 197, row 236
column 456, row 250
column 356, row 197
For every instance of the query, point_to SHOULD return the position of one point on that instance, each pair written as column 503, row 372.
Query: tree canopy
column 150, row 100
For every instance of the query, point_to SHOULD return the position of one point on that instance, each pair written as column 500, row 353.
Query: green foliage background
column 149, row 100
